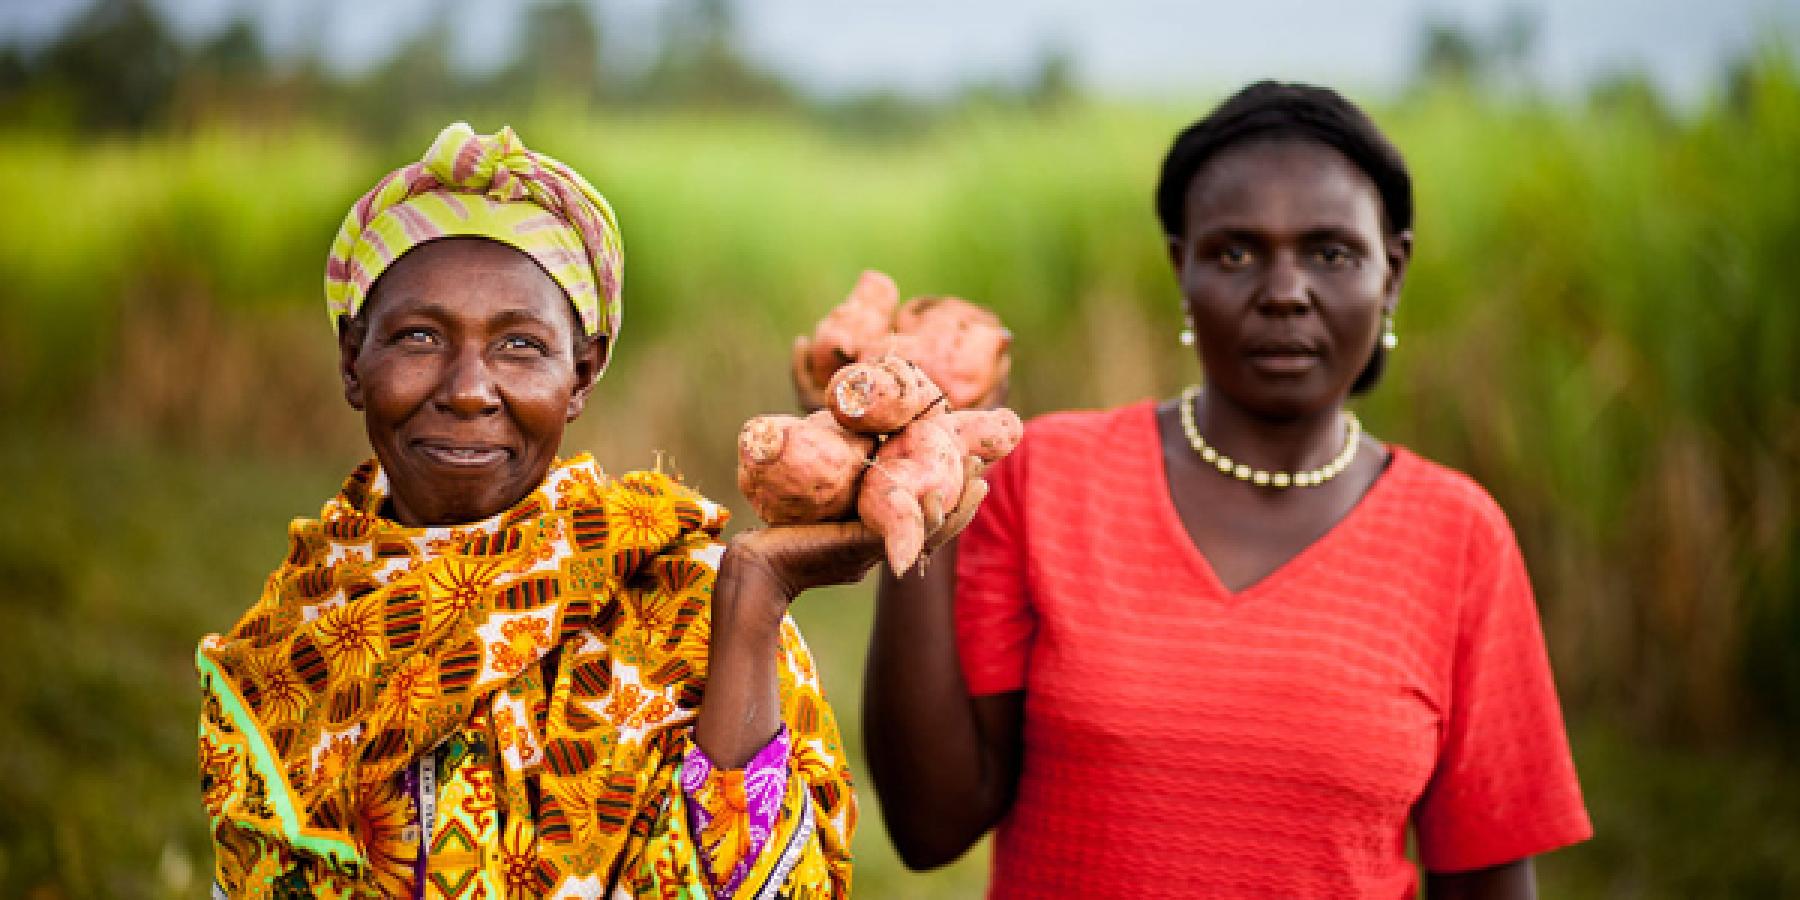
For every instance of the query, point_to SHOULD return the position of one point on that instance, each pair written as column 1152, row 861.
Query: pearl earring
column 1186, row 337
column 1389, row 340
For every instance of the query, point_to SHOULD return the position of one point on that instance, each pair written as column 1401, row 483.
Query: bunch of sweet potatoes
column 961, row 347
column 889, row 443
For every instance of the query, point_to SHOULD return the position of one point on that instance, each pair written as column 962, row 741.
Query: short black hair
column 1271, row 110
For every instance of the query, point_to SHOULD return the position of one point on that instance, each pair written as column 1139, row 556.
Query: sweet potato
column 920, row 473
column 880, row 396
column 852, row 326
column 794, row 469
column 987, row 433
column 960, row 345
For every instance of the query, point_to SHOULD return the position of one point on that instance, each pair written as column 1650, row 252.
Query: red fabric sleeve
column 1504, row 787
column 994, row 620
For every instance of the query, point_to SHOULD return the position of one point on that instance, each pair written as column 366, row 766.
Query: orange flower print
column 350, row 637
column 507, row 734
column 624, row 703
column 385, row 826
column 578, row 485
column 539, row 551
column 455, row 588
column 655, row 710
column 527, row 638
column 516, row 863
column 412, row 688
column 284, row 697
column 332, row 754
column 638, row 520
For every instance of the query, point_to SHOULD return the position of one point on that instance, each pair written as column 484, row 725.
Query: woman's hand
column 941, row 525
column 794, row 558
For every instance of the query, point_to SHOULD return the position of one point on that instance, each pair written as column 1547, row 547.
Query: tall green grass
column 1598, row 326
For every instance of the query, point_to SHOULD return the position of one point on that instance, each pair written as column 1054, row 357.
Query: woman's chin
column 458, row 495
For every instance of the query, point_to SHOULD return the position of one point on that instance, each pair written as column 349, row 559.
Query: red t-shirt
column 1181, row 740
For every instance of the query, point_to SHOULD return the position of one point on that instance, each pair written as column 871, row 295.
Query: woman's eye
column 520, row 342
column 1234, row 257
column 414, row 336
column 1334, row 256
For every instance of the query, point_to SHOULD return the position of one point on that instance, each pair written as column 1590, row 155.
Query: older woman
column 487, row 671
column 1229, row 644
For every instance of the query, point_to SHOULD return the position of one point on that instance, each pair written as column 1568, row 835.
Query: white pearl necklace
column 1259, row 477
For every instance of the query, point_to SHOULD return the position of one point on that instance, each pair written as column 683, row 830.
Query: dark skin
column 1286, row 268
column 467, row 362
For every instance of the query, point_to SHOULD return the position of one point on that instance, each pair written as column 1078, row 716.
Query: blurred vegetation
column 1598, row 327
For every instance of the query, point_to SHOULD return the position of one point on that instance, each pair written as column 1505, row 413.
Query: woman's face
column 1286, row 269
column 466, row 366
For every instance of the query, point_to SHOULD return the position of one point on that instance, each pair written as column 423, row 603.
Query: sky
column 1128, row 48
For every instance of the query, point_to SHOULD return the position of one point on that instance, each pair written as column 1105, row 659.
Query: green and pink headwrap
column 488, row 186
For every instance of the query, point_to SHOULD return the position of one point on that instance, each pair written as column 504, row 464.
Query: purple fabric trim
column 765, row 781
column 410, row 783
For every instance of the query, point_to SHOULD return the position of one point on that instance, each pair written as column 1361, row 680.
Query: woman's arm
column 945, row 765
column 761, row 574
column 1508, row 881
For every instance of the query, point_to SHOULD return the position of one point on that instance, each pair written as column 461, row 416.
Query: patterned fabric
column 735, row 809
column 551, row 659
column 484, row 186
column 1283, row 736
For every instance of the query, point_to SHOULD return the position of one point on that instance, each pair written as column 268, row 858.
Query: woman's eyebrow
column 1232, row 232
column 516, row 316
column 1336, row 233
column 445, row 313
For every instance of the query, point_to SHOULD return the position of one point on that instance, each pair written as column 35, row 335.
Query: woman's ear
column 351, row 331
column 1176, row 258
column 1399, row 248
column 591, row 354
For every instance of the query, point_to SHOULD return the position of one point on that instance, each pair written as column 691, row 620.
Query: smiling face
column 466, row 363
column 1286, row 269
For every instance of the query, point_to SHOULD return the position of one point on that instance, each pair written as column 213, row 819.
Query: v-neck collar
column 1400, row 461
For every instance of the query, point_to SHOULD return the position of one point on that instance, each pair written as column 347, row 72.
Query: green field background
column 1599, row 326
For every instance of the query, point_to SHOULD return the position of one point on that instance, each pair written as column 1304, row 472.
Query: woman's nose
column 468, row 388
column 1284, row 290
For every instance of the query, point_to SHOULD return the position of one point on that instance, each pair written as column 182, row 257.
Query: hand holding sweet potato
column 813, row 469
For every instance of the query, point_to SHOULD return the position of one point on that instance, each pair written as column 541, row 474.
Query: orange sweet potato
column 960, row 345
column 852, row 326
column 920, row 473
column 794, row 469
column 987, row 433
column 880, row 396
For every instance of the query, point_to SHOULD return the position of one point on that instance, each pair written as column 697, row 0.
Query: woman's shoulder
column 1426, row 483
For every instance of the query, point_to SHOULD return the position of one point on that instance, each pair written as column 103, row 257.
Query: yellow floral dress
column 541, row 669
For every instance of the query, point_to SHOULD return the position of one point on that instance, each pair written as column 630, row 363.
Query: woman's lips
column 461, row 455
column 1284, row 361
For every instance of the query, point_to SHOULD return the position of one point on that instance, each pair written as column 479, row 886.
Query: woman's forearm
column 1509, row 881
column 944, row 766
column 763, row 570
column 742, row 707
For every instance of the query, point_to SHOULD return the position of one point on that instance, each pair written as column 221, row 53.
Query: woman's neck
column 1284, row 444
